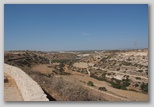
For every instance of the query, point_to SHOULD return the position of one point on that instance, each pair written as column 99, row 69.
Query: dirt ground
column 80, row 65
column 43, row 68
column 11, row 92
column 112, row 92
column 123, row 94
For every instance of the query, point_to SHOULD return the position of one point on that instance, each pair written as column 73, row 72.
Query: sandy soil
column 43, row 68
column 80, row 65
column 11, row 92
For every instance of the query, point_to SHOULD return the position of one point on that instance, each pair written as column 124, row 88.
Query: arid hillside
column 117, row 75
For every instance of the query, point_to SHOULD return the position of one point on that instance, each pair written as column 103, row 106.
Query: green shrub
column 115, row 85
column 136, row 85
column 126, row 63
column 102, row 78
column 118, row 69
column 140, row 70
column 102, row 88
column 103, row 75
column 90, row 83
column 144, row 87
column 120, row 84
column 138, row 78
column 64, row 73
column 109, row 74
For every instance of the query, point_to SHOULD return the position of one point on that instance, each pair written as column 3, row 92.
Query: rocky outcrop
column 29, row 89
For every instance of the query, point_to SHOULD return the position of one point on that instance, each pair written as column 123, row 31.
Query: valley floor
column 112, row 92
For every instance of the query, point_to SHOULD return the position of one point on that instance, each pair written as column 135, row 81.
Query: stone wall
column 29, row 89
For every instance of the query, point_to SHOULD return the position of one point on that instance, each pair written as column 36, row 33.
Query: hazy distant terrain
column 116, row 75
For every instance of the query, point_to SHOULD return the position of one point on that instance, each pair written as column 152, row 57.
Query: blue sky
column 53, row 27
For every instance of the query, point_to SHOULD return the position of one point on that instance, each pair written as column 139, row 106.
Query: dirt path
column 11, row 92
